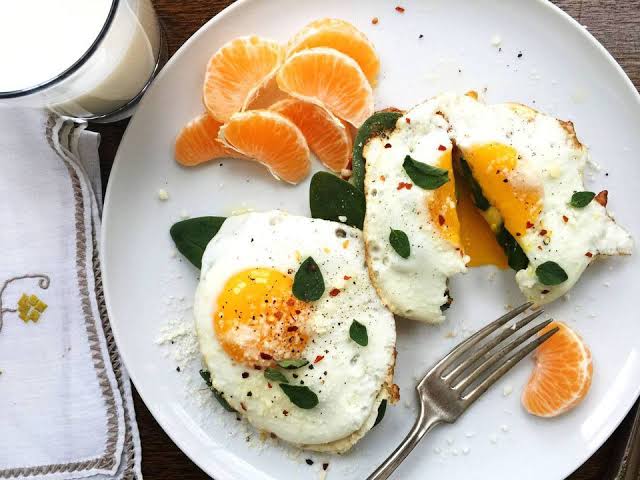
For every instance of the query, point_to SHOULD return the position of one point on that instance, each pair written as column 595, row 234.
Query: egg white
column 358, row 378
column 551, row 155
column 415, row 287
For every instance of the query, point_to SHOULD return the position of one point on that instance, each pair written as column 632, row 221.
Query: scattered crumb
column 342, row 218
column 451, row 334
column 469, row 434
column 496, row 40
column 184, row 214
column 454, row 452
column 504, row 428
column 508, row 306
column 592, row 315
column 375, row 20
column 607, row 284
column 507, row 390
column 173, row 254
column 466, row 450
column 493, row 439
column 163, row 195
column 491, row 277
column 437, row 450
column 450, row 441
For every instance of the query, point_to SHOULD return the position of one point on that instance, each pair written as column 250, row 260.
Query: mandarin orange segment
column 271, row 139
column 327, row 136
column 198, row 142
column 562, row 374
column 342, row 36
column 237, row 72
column 331, row 79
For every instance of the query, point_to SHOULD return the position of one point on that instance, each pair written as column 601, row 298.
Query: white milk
column 39, row 39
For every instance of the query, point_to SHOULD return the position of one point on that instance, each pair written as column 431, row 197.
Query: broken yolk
column 493, row 168
column 258, row 320
column 442, row 204
column 478, row 240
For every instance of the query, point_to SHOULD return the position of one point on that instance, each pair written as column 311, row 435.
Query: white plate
column 563, row 71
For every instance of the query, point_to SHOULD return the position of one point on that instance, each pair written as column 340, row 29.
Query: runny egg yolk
column 442, row 204
column 519, row 203
column 257, row 319
column 478, row 240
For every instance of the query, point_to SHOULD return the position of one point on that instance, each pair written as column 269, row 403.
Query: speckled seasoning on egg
column 248, row 320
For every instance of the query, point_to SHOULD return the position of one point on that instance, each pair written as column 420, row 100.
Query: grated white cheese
column 163, row 195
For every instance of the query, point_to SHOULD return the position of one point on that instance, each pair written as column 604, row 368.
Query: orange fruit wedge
column 271, row 139
column 562, row 374
column 342, row 36
column 198, row 142
column 327, row 136
column 237, row 72
column 331, row 79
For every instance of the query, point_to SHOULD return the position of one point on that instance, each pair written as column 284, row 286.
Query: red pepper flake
column 382, row 178
column 517, row 234
column 297, row 312
column 399, row 9
column 318, row 358
column 387, row 145
column 565, row 219
column 441, row 220
column 265, row 356
column 544, row 292
column 407, row 119
column 602, row 198
column 408, row 186
column 243, row 406
column 285, row 413
column 278, row 315
column 543, row 232
column 588, row 254
column 292, row 328
column 374, row 20
column 334, row 292
column 291, row 302
column 269, row 385
column 442, row 148
column 257, row 367
column 529, row 224
column 347, row 277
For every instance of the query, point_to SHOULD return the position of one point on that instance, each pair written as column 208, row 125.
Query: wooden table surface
column 615, row 23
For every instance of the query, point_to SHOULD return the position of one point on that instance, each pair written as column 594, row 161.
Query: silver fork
column 458, row 380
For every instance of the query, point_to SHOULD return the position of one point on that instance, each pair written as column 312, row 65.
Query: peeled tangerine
column 328, row 137
column 562, row 374
column 198, row 142
column 271, row 139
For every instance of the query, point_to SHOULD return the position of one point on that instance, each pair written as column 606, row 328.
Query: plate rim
column 221, row 472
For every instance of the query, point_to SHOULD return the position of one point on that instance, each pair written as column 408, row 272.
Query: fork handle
column 426, row 421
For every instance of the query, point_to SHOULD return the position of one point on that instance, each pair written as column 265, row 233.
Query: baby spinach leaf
column 424, row 175
column 332, row 198
column 382, row 408
column 206, row 376
column 374, row 125
column 400, row 243
column 308, row 284
column 275, row 375
column 300, row 395
column 358, row 333
column 193, row 235
column 516, row 257
column 293, row 363
column 550, row 273
column 581, row 199
column 476, row 190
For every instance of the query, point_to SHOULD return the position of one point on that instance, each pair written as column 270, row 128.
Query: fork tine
column 479, row 335
column 509, row 363
column 467, row 362
column 499, row 355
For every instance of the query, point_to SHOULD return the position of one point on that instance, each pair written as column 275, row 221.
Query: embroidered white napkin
column 65, row 400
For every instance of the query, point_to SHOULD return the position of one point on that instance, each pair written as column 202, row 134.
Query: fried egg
column 248, row 320
column 415, row 287
column 525, row 167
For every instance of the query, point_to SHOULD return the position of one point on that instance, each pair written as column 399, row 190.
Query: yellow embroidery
column 30, row 307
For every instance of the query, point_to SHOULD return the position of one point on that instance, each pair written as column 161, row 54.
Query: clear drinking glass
column 89, row 59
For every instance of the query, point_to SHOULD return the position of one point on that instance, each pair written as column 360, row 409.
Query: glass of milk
column 89, row 59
